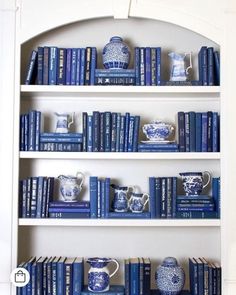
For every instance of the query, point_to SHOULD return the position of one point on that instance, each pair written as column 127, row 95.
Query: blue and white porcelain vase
column 170, row 277
column 193, row 182
column 116, row 54
column 99, row 275
column 121, row 198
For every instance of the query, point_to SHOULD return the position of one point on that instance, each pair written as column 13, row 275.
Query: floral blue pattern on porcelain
column 137, row 202
column 120, row 199
column 193, row 182
column 71, row 186
column 158, row 131
column 170, row 277
column 116, row 54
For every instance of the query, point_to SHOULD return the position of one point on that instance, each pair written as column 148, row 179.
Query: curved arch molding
column 204, row 17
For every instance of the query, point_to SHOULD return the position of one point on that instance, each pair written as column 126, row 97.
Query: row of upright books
column 199, row 132
column 204, row 276
column 166, row 203
column 50, row 65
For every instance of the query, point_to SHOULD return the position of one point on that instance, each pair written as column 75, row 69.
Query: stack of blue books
column 115, row 77
column 60, row 209
column 205, row 276
column 156, row 147
column 113, row 290
column 61, row 142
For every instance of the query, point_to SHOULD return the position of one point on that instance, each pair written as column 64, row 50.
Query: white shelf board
column 120, row 222
column 119, row 156
column 63, row 89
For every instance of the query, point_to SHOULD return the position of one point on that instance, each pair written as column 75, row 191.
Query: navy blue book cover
column 137, row 66
column 78, row 66
column 181, row 131
column 53, row 60
column 68, row 65
column 40, row 66
column 45, row 64
column 198, row 132
column 204, row 132
column 61, row 69
column 148, row 66
column 32, row 68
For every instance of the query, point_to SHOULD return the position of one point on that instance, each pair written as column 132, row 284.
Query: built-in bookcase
column 118, row 238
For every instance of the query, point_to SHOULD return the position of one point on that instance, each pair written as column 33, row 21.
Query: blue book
column 61, row 135
column 61, row 139
column 131, row 134
column 32, row 129
column 40, row 197
column 32, row 68
column 102, row 198
column 68, row 215
column 155, row 150
column 85, row 130
column 89, row 133
column 200, row 272
column 218, row 278
column 87, row 65
column 68, row 273
column 46, row 50
column 146, row 276
column 20, row 198
column 49, row 194
column 192, row 131
column 142, row 67
column 127, row 277
column 99, row 199
column 158, row 64
column 137, row 65
column 158, row 192
column 60, row 276
column 205, row 275
column 169, row 205
column 102, row 132
column 115, row 73
column 68, row 65
column 198, row 132
column 200, row 65
column 28, row 198
column 69, row 210
column 78, row 275
column 78, row 66
column 157, row 146
column 39, row 275
column 22, row 132
column 37, row 130
column 118, row 127
column 136, row 133
column 174, row 196
column 73, row 66
column 26, row 131
column 93, row 66
column 127, row 118
column 181, row 131
column 204, row 65
column 210, row 66
column 148, row 66
column 129, row 215
column 40, row 66
column 191, row 198
column 197, row 215
column 93, row 187
column 53, row 60
column 204, row 132
column 44, row 197
column 216, row 194
column 122, row 134
column 24, row 197
column 107, row 131
column 140, row 275
column 61, row 68
column 113, row 131
column 217, row 67
column 54, row 274
column 193, row 276
column 114, row 290
column 134, row 276
column 215, row 132
column 153, row 67
column 49, row 276
column 163, row 197
column 210, row 279
column 44, row 276
column 28, row 266
column 187, row 132
column 152, row 194
column 82, row 66
column 107, row 196
column 33, row 279
column 195, row 207
column 209, row 131
column 62, row 204
column 96, row 131
column 34, row 195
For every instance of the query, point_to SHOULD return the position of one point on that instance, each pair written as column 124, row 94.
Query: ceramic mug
column 137, row 202
column 193, row 182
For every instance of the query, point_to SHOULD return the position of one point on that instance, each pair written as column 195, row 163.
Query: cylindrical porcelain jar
column 116, row 54
column 170, row 277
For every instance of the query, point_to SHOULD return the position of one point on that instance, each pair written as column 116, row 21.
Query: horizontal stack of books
column 115, row 77
column 50, row 65
column 61, row 142
column 60, row 209
column 199, row 132
column 165, row 203
column 155, row 147
column 209, row 66
column 147, row 66
column 137, row 276
column 53, row 275
column 30, row 128
column 205, row 277
column 110, row 132
column 35, row 193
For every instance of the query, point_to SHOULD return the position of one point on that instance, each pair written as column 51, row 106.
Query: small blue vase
column 116, row 54
column 170, row 277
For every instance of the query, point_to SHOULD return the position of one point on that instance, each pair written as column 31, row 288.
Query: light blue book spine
column 118, row 126
column 99, row 199
column 39, row 197
column 93, row 65
column 53, row 59
column 113, row 131
column 158, row 193
column 73, row 66
column 142, row 66
column 102, row 198
column 61, row 139
column 40, row 66
column 90, row 133
column 107, row 131
column 26, row 132
column 134, row 278
column 169, row 197
column 158, row 64
column 153, row 67
column 131, row 134
column 34, row 195
column 187, row 132
column 93, row 184
column 61, row 135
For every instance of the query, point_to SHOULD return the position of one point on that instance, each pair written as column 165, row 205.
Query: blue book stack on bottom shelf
column 114, row 290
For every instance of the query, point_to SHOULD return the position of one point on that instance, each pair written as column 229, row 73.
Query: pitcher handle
column 117, row 267
column 82, row 178
column 190, row 62
column 147, row 199
column 209, row 178
column 72, row 120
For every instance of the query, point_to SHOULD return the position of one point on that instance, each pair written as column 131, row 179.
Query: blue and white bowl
column 116, row 54
column 158, row 131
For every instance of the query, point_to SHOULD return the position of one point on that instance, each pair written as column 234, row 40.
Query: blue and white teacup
column 193, row 182
column 158, row 131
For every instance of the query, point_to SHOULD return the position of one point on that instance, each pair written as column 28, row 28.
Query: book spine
column 61, row 69
column 69, row 215
column 33, row 279
column 61, row 139
column 118, row 126
column 127, row 119
column 82, row 66
column 155, row 150
column 134, row 278
column 127, row 277
column 158, row 193
column 113, row 131
column 69, row 210
column 60, row 278
column 28, row 197
column 198, row 132
column 131, row 134
column 141, row 276
column 88, row 65
column 22, row 132
column 73, row 66
column 53, row 58
column 210, row 64
column 217, row 67
column 31, row 70
column 78, row 67
column 34, row 182
column 147, row 278
column 68, row 65
column 187, row 132
column 192, row 131
column 102, row 198
column 99, row 199
column 215, row 132
column 197, row 215
column 174, row 196
column 102, row 132
column 39, row 276
column 204, row 63
column 44, row 198
column 37, row 130
column 200, row 65
column 200, row 277
column 169, row 204
column 153, row 67
column 85, row 128
column 136, row 133
column 152, row 197
column 77, row 278
column 163, row 198
column 45, row 65
column 107, row 131
column 49, row 193
column 210, row 279
column 137, row 66
column 90, row 133
column 96, row 131
column 204, row 132
column 142, row 67
column 107, row 196
column 31, row 134
column 209, row 131
column 68, row 279
column 39, row 197
column 129, row 215
column 93, row 65
column 61, row 204
column 93, row 185
column 148, row 66
column 24, row 197
column 122, row 134
column 40, row 66
column 181, row 131
column 158, row 64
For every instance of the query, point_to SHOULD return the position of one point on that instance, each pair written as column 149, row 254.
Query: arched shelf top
column 59, row 14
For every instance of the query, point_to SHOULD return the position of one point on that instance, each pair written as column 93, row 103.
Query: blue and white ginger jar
column 170, row 277
column 116, row 54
